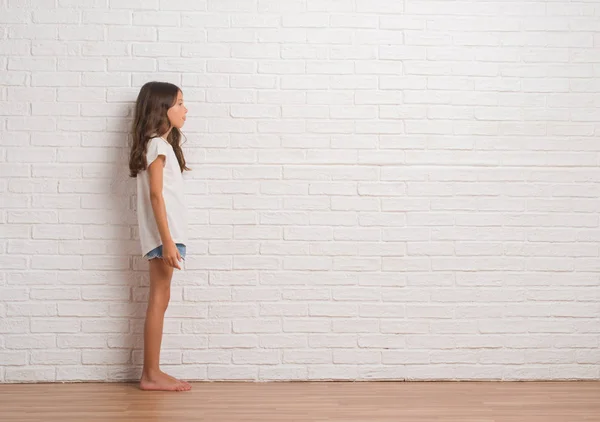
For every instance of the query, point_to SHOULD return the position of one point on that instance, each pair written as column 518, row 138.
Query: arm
column 155, row 173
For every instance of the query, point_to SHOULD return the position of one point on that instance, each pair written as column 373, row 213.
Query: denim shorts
column 158, row 252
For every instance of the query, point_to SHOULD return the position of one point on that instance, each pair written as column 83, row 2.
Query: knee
column 159, row 300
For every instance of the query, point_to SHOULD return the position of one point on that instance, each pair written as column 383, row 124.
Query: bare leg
column 160, row 293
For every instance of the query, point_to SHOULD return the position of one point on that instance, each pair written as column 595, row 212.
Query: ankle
column 150, row 373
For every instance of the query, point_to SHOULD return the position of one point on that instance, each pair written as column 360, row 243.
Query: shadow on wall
column 130, row 273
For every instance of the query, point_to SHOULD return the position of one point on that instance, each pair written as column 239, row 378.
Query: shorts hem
column 157, row 252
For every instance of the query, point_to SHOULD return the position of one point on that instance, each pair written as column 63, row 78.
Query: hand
column 171, row 255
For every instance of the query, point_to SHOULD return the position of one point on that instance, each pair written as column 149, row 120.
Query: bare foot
column 187, row 384
column 162, row 382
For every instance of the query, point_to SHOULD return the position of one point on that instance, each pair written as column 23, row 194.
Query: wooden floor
column 310, row 401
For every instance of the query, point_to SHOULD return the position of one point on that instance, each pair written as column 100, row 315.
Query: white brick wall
column 382, row 189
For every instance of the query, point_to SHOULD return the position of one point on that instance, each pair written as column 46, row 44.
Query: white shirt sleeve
column 156, row 147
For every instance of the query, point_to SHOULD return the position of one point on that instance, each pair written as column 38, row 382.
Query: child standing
column 157, row 161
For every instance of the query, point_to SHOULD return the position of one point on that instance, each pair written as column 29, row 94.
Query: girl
column 157, row 161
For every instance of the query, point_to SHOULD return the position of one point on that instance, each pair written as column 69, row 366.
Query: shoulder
column 157, row 140
column 158, row 144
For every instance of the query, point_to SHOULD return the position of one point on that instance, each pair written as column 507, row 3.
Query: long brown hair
column 150, row 120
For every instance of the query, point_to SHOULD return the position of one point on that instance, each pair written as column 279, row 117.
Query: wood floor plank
column 306, row 401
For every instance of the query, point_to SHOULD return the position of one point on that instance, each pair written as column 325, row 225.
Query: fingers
column 172, row 256
column 172, row 262
column 178, row 259
column 175, row 263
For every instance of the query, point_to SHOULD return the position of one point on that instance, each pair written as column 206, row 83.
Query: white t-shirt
column 173, row 195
